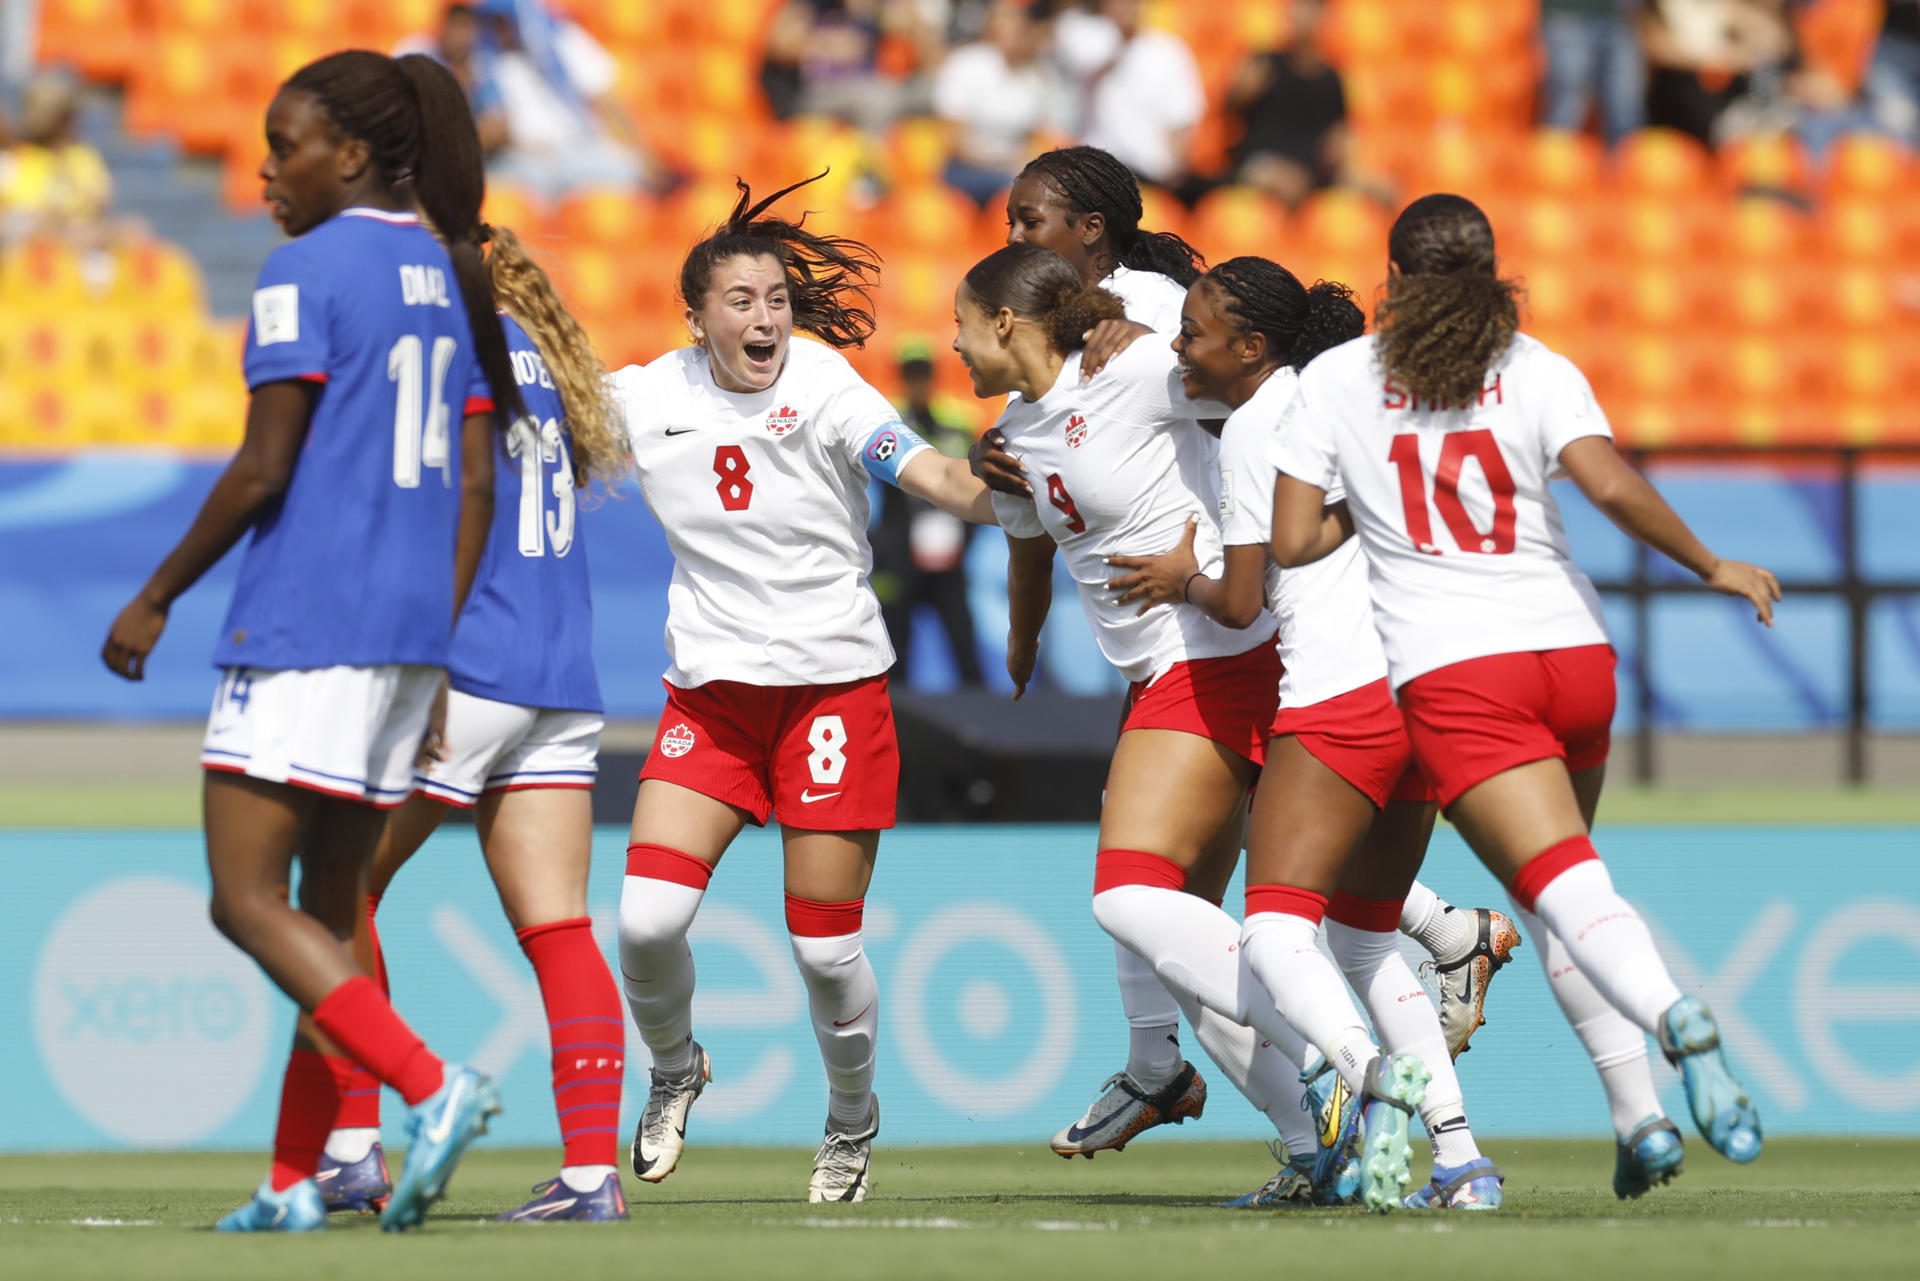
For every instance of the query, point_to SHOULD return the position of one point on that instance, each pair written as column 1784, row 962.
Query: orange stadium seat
column 1660, row 162
column 1854, row 296
column 1643, row 228
column 1761, row 296
column 623, row 24
column 1561, row 161
column 917, row 150
column 926, row 218
column 603, row 217
column 1866, row 164
column 99, row 37
column 1478, row 163
column 1357, row 33
column 1550, row 227
column 1837, row 36
column 42, row 275
column 1342, row 224
column 1486, row 31
column 1562, row 294
column 516, row 207
column 1777, row 163
column 1763, row 229
column 1159, row 211
column 1664, row 298
column 1868, row 229
column 1259, row 27
column 1231, row 221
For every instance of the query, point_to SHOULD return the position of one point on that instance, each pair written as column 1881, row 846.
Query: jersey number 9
column 536, row 445
column 1459, row 446
column 421, row 436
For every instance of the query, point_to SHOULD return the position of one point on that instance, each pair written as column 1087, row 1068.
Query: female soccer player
column 361, row 354
column 1494, row 638
column 1121, row 468
column 754, row 447
column 522, row 733
column 1341, row 818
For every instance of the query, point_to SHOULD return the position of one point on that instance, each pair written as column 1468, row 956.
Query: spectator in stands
column 457, row 47
column 1292, row 113
column 920, row 552
column 566, row 128
column 997, row 94
column 1141, row 91
column 1893, row 77
column 853, row 60
column 1703, row 56
column 1593, row 59
column 51, row 183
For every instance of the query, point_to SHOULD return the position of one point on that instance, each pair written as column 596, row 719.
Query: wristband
column 1187, row 587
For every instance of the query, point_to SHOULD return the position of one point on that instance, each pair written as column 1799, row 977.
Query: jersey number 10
column 421, row 432
column 1458, row 447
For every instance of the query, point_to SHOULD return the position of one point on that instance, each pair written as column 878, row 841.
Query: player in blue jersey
column 522, row 733
column 367, row 526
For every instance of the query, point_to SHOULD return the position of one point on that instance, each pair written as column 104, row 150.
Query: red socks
column 357, row 1017
column 310, row 1095
column 361, row 1108
column 589, row 1037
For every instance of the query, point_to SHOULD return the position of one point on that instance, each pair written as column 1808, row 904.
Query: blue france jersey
column 354, row 565
column 526, row 634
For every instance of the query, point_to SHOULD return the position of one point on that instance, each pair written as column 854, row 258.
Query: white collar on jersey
column 382, row 215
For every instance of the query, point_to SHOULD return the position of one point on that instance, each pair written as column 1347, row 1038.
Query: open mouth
column 760, row 353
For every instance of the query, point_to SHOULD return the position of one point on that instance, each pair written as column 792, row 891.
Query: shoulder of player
column 1350, row 363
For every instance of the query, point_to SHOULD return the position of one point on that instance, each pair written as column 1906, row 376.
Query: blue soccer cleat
column 1473, row 1186
column 1395, row 1085
column 1334, row 1167
column 1291, row 1184
column 363, row 1185
column 297, row 1209
column 1721, row 1109
column 438, row 1132
column 1651, row 1154
column 555, row 1202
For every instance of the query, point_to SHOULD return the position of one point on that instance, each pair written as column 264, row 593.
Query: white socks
column 1153, row 1017
column 1445, row 931
column 1607, row 939
column 1283, row 955
column 1260, row 1070
column 1618, row 1048
column 352, row 1144
column 845, row 1003
column 585, row 1178
column 656, row 967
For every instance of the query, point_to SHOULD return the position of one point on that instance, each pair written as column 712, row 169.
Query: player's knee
column 829, row 960
column 647, row 922
column 236, row 916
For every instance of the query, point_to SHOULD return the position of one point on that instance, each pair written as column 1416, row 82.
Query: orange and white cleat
column 1126, row 1109
column 1464, row 980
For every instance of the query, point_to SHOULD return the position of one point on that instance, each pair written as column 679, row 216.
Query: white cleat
column 662, row 1133
column 1126, row 1109
column 1463, row 982
column 840, row 1167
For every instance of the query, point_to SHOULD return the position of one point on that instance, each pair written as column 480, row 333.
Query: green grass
column 1827, row 1207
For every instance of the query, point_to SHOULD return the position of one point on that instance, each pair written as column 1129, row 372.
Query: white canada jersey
column 1328, row 644
column 1465, row 551
column 763, row 498
column 1117, row 468
column 1151, row 299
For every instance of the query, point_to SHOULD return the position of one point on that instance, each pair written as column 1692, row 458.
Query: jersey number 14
column 421, row 432
column 1457, row 448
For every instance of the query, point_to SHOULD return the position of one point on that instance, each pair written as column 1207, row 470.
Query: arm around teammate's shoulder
column 950, row 485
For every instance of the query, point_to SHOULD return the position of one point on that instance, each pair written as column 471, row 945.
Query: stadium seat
column 1867, row 229
column 1340, row 223
column 1762, row 297
column 1231, row 221
column 602, row 218
column 1660, row 162
column 518, row 208
column 1356, row 33
column 1666, row 299
column 42, row 275
column 1645, row 228
column 1867, row 164
column 98, row 37
column 1562, row 294
column 1549, row 227
column 1776, row 163
column 155, row 277
column 1159, row 211
column 1561, row 162
column 917, row 150
column 1856, row 296
column 1477, row 163
column 1763, row 229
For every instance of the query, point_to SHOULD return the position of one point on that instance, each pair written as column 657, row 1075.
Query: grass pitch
column 1812, row 1207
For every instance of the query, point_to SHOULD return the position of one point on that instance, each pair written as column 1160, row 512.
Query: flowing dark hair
column 414, row 117
column 1035, row 283
column 1450, row 314
column 1091, row 181
column 1260, row 296
column 828, row 277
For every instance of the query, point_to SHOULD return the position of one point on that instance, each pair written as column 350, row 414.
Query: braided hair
column 1089, row 180
column 413, row 116
column 828, row 277
column 1260, row 296
column 1450, row 314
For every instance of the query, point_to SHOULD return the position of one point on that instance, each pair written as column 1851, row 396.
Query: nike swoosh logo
column 808, row 798
column 855, row 1019
column 680, row 431
column 439, row 1133
column 1075, row 1132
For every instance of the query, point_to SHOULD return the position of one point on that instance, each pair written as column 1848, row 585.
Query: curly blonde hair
column 1451, row 314
column 522, row 289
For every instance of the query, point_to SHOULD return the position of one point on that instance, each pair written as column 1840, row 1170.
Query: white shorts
column 503, row 747
column 351, row 732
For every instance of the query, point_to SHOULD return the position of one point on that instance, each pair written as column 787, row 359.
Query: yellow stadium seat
column 917, row 150
column 1231, row 221
column 146, row 418
column 156, row 277
column 42, row 275
column 213, row 413
column 42, row 420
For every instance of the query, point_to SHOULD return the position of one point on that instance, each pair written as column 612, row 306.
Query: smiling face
column 310, row 167
column 981, row 340
column 1214, row 355
column 745, row 322
column 1037, row 215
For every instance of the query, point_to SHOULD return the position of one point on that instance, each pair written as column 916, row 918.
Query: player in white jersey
column 754, row 448
column 1341, row 817
column 1494, row 639
column 1115, row 464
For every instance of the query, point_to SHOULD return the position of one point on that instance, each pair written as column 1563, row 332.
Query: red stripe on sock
column 310, row 1095
column 588, row 1037
column 1379, row 915
column 1115, row 868
column 1288, row 900
column 810, row 918
column 357, row 1017
column 1543, row 868
column 664, row 864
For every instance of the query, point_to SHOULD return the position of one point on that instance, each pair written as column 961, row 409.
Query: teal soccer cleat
column 1473, row 1186
column 438, row 1133
column 297, row 1209
column 1652, row 1154
column 1395, row 1086
column 1721, row 1109
column 1334, row 1167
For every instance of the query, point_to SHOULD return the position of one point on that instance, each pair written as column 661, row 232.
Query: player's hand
column 1000, row 470
column 132, row 638
column 1021, row 658
column 1157, row 580
column 1737, row 578
column 1105, row 341
column 433, row 747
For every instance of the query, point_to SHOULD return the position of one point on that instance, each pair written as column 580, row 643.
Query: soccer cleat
column 297, row 1209
column 1395, row 1086
column 555, row 1202
column 1291, row 1184
column 1721, row 1109
column 364, row 1185
column 1126, row 1109
column 1463, row 982
column 1651, row 1154
column 1473, row 1186
column 661, row 1136
column 841, row 1165
column 1334, row 1167
column 439, row 1132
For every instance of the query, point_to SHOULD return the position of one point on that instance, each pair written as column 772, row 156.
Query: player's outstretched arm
column 1630, row 502
column 950, row 485
column 1029, row 597
column 277, row 418
column 1305, row 528
column 1173, row 577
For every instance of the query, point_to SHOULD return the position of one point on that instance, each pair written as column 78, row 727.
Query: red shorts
column 825, row 757
column 1472, row 720
column 1361, row 736
column 1229, row 700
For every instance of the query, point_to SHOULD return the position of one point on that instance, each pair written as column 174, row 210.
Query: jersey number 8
column 731, row 466
column 536, row 445
column 1459, row 446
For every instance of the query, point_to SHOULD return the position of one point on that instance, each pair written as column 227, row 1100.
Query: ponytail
column 1450, row 315
column 1037, row 284
column 1089, row 180
column 1260, row 296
